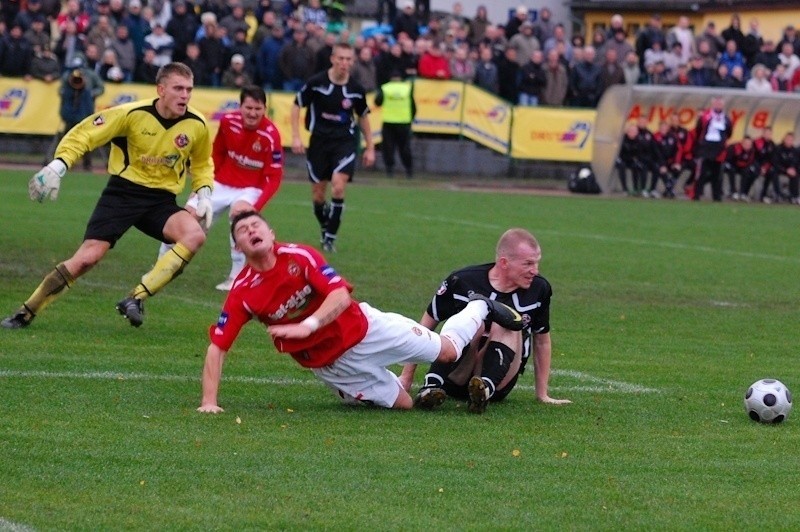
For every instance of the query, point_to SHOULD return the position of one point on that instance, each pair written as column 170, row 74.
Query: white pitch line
column 607, row 384
column 10, row 526
column 600, row 385
column 122, row 376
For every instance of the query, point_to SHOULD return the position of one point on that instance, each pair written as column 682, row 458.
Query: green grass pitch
column 663, row 313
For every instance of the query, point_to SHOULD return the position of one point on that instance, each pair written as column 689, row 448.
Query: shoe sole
column 430, row 400
column 477, row 396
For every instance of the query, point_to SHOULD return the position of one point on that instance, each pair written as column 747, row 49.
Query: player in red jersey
column 307, row 309
column 248, row 165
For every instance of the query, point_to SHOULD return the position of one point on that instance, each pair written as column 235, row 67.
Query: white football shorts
column 360, row 375
column 223, row 196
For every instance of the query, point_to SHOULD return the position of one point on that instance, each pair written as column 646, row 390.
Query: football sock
column 48, row 290
column 237, row 261
column 496, row 362
column 461, row 328
column 334, row 218
column 163, row 249
column 321, row 215
column 167, row 267
column 432, row 380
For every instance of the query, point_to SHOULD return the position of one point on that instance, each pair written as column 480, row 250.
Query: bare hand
column 297, row 146
column 550, row 401
column 210, row 409
column 369, row 157
column 295, row 331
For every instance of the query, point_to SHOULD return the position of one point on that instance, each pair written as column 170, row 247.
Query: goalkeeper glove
column 204, row 211
column 46, row 182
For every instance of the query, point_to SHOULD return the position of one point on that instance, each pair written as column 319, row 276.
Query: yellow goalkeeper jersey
column 145, row 148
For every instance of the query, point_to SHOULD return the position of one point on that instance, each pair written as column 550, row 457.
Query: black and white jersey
column 332, row 109
column 532, row 303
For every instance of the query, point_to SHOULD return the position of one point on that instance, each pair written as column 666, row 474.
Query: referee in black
column 334, row 104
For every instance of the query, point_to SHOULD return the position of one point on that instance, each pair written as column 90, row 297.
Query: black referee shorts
column 124, row 204
column 327, row 157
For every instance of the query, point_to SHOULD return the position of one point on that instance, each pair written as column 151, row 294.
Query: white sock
column 460, row 329
column 237, row 261
column 163, row 249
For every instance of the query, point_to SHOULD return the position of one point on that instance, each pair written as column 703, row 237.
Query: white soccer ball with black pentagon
column 768, row 401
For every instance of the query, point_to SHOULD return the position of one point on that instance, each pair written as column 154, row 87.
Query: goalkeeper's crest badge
column 181, row 141
column 99, row 121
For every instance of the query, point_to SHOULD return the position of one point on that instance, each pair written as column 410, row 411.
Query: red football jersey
column 248, row 157
column 288, row 293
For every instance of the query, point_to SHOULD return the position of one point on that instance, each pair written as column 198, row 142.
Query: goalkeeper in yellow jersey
column 152, row 143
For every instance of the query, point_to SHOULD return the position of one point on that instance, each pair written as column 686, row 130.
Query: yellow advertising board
column 439, row 106
column 486, row 119
column 552, row 134
column 29, row 107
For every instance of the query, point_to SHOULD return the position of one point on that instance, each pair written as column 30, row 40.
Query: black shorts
column 124, row 204
column 327, row 157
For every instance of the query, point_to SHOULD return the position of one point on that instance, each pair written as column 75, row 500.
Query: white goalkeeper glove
column 204, row 210
column 46, row 182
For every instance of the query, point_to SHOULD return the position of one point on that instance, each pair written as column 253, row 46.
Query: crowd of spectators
column 228, row 43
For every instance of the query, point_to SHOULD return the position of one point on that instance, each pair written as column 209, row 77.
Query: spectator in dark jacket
column 214, row 53
column 407, row 21
column 532, row 80
column 699, row 75
column 610, row 71
column 508, row 76
column 296, row 61
column 147, row 68
column 16, row 53
column 486, row 76
column 200, row 71
column 267, row 62
column 182, row 27
column 585, row 80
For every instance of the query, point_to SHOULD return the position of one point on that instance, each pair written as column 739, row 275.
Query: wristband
column 311, row 322
column 58, row 166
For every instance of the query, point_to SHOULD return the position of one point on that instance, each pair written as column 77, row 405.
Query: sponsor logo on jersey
column 13, row 102
column 167, row 160
column 99, row 121
column 294, row 269
column 293, row 306
column 245, row 162
column 332, row 117
column 147, row 133
column 182, row 140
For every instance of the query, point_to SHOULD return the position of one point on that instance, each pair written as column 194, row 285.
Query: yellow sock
column 167, row 267
column 48, row 290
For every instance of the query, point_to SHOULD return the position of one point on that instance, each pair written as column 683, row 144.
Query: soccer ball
column 768, row 401
column 584, row 173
